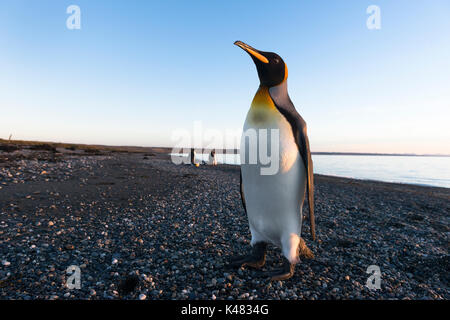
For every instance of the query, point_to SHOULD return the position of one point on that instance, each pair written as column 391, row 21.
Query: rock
column 142, row 296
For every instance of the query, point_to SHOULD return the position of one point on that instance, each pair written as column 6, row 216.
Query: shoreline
column 67, row 148
column 392, row 184
column 336, row 176
column 168, row 150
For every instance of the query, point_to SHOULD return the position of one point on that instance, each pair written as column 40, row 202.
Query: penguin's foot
column 256, row 259
column 286, row 271
column 283, row 273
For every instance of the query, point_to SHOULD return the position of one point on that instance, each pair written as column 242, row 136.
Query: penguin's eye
column 276, row 60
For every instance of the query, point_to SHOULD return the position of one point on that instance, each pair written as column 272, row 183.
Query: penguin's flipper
column 242, row 191
column 285, row 106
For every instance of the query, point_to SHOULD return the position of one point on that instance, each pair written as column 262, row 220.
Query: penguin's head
column 271, row 68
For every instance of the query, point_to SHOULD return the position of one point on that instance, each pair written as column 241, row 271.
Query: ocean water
column 420, row 170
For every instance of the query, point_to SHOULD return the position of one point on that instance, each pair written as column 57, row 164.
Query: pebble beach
column 140, row 227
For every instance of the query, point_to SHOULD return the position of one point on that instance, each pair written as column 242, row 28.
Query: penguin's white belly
column 273, row 201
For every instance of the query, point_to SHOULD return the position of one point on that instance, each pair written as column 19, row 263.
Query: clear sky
column 138, row 71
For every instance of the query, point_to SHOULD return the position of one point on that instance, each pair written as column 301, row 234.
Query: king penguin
column 273, row 202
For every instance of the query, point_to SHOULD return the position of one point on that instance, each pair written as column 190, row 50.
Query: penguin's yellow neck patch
column 262, row 109
column 262, row 99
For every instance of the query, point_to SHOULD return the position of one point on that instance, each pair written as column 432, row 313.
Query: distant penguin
column 192, row 155
column 212, row 158
column 274, row 202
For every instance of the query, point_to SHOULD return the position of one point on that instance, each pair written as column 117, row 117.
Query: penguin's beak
column 252, row 51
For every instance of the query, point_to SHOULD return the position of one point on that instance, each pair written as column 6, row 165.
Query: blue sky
column 137, row 71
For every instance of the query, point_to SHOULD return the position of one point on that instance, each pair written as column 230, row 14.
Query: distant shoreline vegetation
column 168, row 150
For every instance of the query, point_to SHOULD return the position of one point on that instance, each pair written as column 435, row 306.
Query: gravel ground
column 143, row 228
